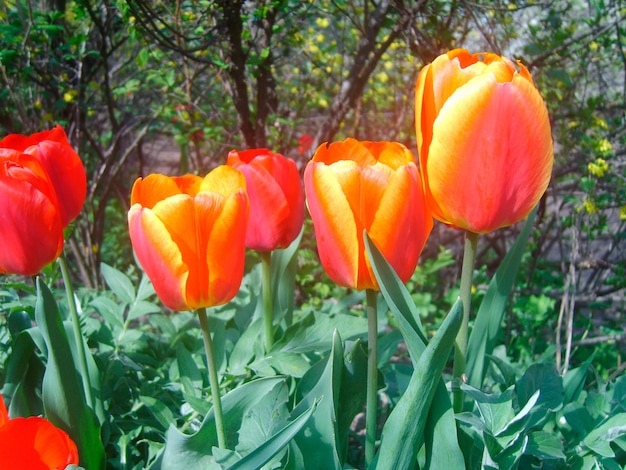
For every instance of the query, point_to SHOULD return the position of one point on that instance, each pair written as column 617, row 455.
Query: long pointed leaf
column 62, row 390
column 442, row 447
column 403, row 433
column 488, row 320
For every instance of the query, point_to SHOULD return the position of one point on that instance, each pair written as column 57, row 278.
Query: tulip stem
column 460, row 351
column 213, row 381
column 78, row 336
column 268, row 306
column 371, row 421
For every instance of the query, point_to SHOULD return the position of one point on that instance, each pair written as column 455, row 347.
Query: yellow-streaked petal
column 224, row 180
column 152, row 189
column 159, row 256
column 334, row 223
column 228, row 235
column 402, row 223
column 348, row 149
column 392, row 154
column 485, row 169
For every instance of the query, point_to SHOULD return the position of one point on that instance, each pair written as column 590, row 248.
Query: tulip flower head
column 484, row 140
column 34, row 444
column 189, row 234
column 352, row 186
column 43, row 185
column 276, row 198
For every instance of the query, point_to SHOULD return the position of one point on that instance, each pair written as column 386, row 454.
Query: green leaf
column 194, row 451
column 318, row 439
column 545, row 446
column 112, row 313
column 488, row 320
column 190, row 376
column 24, row 370
column 574, row 381
column 313, row 332
column 62, row 389
column 262, row 422
column 543, row 377
column 403, row 433
column 496, row 410
column 142, row 307
column 399, row 300
column 268, row 449
column 599, row 440
column 159, row 410
column 284, row 265
column 119, row 283
column 352, row 393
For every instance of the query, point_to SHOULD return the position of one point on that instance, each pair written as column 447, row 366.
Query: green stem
column 460, row 351
column 213, row 382
column 268, row 307
column 78, row 336
column 371, row 421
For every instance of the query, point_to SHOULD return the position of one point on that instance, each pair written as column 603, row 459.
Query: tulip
column 34, row 443
column 353, row 186
column 42, row 189
column 276, row 198
column 188, row 234
column 484, row 140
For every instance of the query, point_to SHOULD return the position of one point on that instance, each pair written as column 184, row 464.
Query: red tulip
column 353, row 186
column 34, row 444
column 276, row 198
column 484, row 140
column 189, row 235
column 42, row 189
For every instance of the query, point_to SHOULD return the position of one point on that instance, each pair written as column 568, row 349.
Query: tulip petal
column 34, row 443
column 30, row 228
column 349, row 149
column 152, row 189
column 403, row 200
column 67, row 175
column 228, row 235
column 334, row 223
column 189, row 220
column 62, row 164
column 276, row 198
column 269, row 210
column 159, row 256
column 492, row 170
column 4, row 413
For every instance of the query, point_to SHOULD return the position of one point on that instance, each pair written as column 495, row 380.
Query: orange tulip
column 353, row 186
column 276, row 198
column 34, row 443
column 42, row 189
column 189, row 233
column 484, row 140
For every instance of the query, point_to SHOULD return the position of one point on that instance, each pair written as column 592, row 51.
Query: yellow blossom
column 589, row 207
column 622, row 213
column 322, row 22
column 598, row 168
column 604, row 146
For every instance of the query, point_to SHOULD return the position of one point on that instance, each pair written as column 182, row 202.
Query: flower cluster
column 485, row 160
